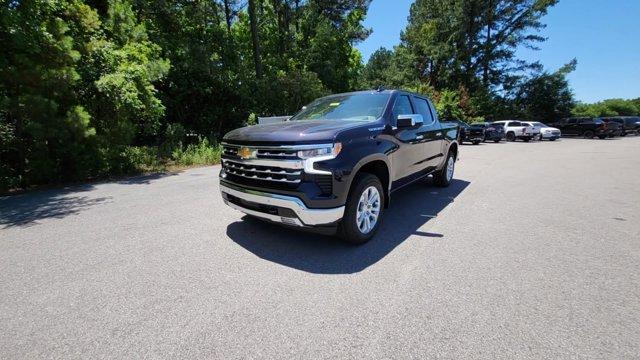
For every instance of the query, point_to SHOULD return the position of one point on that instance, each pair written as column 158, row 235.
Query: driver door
column 407, row 158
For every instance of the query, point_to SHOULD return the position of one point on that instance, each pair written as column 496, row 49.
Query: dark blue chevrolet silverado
column 334, row 165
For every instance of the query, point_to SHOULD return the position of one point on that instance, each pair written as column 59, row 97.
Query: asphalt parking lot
column 533, row 252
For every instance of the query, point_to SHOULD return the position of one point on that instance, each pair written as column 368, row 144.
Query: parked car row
column 599, row 127
column 513, row 130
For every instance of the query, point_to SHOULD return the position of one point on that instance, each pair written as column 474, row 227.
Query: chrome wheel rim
column 450, row 167
column 368, row 210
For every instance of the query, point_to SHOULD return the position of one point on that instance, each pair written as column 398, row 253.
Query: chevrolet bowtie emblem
column 245, row 153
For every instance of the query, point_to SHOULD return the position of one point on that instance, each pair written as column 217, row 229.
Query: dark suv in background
column 587, row 128
column 628, row 124
column 470, row 133
column 493, row 132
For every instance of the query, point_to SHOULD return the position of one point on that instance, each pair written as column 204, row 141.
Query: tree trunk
column 228, row 15
column 255, row 38
column 487, row 46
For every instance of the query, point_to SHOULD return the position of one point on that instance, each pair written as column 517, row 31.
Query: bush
column 202, row 153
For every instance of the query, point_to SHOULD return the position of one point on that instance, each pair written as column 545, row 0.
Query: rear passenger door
column 430, row 133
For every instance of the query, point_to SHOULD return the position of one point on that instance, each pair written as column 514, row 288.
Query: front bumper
column 278, row 208
column 550, row 136
column 474, row 137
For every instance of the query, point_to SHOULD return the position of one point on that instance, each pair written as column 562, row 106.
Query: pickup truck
column 587, row 128
column 515, row 129
column 333, row 167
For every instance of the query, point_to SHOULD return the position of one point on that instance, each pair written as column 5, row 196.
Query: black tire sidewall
column 440, row 178
column 348, row 229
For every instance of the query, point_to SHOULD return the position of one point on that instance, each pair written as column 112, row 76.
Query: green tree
column 547, row 97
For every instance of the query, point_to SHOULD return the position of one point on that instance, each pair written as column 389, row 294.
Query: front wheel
column 476, row 142
column 444, row 176
column 589, row 134
column 363, row 211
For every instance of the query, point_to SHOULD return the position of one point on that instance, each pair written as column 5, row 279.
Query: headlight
column 331, row 151
column 547, row 131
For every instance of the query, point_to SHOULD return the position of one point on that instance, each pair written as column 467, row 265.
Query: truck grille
column 270, row 167
column 266, row 173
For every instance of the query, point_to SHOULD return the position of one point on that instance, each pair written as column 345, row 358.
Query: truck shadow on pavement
column 410, row 209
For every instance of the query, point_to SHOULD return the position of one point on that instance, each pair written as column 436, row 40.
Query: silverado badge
column 245, row 153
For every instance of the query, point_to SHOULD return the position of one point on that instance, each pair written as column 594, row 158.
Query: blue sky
column 604, row 35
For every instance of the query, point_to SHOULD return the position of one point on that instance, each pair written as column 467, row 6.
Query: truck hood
column 288, row 132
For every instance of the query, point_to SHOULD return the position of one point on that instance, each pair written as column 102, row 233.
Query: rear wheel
column 363, row 211
column 589, row 135
column 444, row 176
column 511, row 136
column 526, row 139
column 602, row 137
column 476, row 142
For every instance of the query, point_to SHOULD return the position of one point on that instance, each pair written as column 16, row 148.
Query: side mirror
column 409, row 120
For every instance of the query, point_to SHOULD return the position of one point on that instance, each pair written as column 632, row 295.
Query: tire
column 496, row 141
column 589, row 134
column 443, row 178
column 601, row 137
column 552, row 139
column 526, row 139
column 624, row 133
column 476, row 142
column 350, row 230
column 511, row 136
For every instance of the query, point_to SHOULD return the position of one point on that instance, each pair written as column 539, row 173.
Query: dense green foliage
column 610, row 107
column 93, row 88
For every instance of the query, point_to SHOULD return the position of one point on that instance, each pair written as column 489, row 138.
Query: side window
column 514, row 123
column 572, row 121
column 402, row 107
column 422, row 108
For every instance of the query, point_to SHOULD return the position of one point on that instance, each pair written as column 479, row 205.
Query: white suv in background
column 546, row 131
column 516, row 129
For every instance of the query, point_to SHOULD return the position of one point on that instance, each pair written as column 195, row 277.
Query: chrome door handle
column 438, row 134
column 419, row 137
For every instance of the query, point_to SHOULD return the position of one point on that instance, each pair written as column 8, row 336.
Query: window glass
column 572, row 121
column 514, row 123
column 422, row 108
column 345, row 107
column 402, row 106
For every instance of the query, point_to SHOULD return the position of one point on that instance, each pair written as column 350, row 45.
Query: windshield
column 345, row 107
column 538, row 124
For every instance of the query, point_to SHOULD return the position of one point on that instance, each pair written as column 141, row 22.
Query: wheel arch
column 378, row 165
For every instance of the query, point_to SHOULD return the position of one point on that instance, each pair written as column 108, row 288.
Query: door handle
column 439, row 134
column 420, row 137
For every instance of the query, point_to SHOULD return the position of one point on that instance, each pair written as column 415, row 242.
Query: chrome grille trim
column 286, row 164
column 236, row 166
column 277, row 153
column 256, row 177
